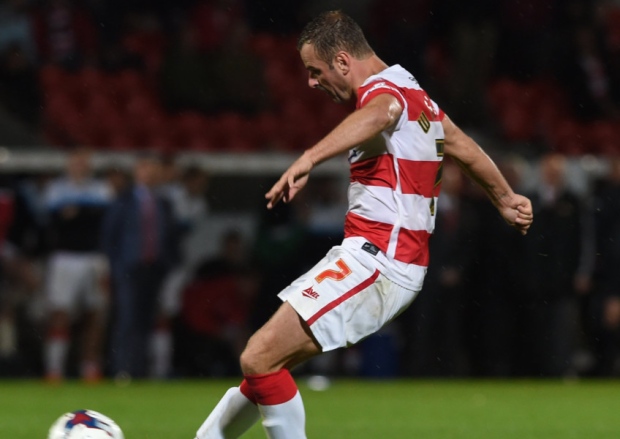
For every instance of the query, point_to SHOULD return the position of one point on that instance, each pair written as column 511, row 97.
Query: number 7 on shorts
column 336, row 275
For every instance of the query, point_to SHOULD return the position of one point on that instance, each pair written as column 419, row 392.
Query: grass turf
column 347, row 409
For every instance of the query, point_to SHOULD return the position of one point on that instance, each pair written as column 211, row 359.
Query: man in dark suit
column 557, row 277
column 139, row 239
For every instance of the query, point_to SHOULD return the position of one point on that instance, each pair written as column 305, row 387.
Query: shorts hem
column 316, row 335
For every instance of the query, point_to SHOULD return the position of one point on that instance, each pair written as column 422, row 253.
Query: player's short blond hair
column 332, row 32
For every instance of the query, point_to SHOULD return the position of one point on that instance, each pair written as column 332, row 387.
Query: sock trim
column 245, row 390
column 272, row 388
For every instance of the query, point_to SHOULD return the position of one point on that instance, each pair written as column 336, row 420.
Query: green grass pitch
column 349, row 409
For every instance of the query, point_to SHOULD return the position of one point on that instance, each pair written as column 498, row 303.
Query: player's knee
column 249, row 360
column 255, row 357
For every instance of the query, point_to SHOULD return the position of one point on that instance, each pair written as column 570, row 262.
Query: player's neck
column 366, row 68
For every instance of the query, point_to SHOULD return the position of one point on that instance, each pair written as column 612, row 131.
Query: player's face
column 78, row 165
column 324, row 76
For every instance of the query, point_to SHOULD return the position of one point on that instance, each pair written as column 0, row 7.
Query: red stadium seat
column 605, row 137
column 149, row 45
column 501, row 93
column 234, row 133
column 265, row 45
column 570, row 137
column 518, row 123
column 51, row 76
column 265, row 128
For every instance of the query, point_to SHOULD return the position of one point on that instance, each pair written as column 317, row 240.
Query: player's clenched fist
column 518, row 213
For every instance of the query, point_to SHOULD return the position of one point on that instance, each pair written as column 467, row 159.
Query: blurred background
column 140, row 136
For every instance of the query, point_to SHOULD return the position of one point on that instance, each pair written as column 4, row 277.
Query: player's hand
column 291, row 182
column 518, row 213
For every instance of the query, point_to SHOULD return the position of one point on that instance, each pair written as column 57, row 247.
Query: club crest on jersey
column 309, row 292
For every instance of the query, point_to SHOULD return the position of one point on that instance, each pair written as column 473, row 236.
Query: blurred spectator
column 191, row 215
column 19, row 280
column 77, row 270
column 461, row 57
column 28, row 231
column 395, row 22
column 280, row 236
column 277, row 17
column 496, row 318
column 215, row 316
column 8, row 344
column 114, row 57
column 206, row 69
column 24, row 260
column 65, row 34
column 323, row 211
column 139, row 238
column 558, row 271
column 188, row 80
column 20, row 93
column 593, row 87
column 606, row 331
column 170, row 185
column 16, row 29
column 434, row 330
column 528, row 29
column 117, row 179
column 216, row 21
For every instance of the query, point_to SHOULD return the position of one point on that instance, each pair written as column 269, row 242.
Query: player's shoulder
column 394, row 80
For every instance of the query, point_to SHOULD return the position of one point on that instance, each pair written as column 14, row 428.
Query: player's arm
column 514, row 208
column 382, row 112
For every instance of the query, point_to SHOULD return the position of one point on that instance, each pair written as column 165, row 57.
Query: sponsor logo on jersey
column 352, row 154
column 309, row 292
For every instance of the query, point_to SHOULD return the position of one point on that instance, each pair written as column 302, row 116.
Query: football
column 85, row 424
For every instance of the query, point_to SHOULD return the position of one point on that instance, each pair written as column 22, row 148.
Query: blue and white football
column 85, row 424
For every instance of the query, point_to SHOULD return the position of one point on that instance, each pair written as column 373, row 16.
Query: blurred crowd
column 110, row 273
column 120, row 272
column 224, row 74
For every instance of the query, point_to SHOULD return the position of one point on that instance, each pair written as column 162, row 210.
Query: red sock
column 271, row 388
column 244, row 388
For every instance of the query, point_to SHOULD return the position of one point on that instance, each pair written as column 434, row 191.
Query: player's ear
column 342, row 62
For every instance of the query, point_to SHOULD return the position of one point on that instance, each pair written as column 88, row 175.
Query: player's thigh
column 63, row 283
column 284, row 341
column 94, row 277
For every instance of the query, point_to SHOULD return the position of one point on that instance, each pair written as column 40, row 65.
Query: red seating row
column 122, row 110
column 539, row 111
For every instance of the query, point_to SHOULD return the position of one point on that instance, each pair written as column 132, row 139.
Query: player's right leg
column 61, row 293
column 268, row 389
column 235, row 414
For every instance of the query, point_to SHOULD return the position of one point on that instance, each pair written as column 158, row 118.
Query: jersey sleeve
column 369, row 91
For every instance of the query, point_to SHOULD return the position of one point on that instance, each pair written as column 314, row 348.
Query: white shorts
column 345, row 297
column 77, row 280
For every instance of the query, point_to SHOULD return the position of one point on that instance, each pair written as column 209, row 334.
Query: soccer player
column 396, row 140
column 77, row 269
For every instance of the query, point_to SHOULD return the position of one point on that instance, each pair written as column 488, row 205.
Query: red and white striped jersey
column 396, row 177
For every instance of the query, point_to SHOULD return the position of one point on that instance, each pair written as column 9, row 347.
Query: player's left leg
column 268, row 389
column 61, row 292
column 96, row 293
column 282, row 343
